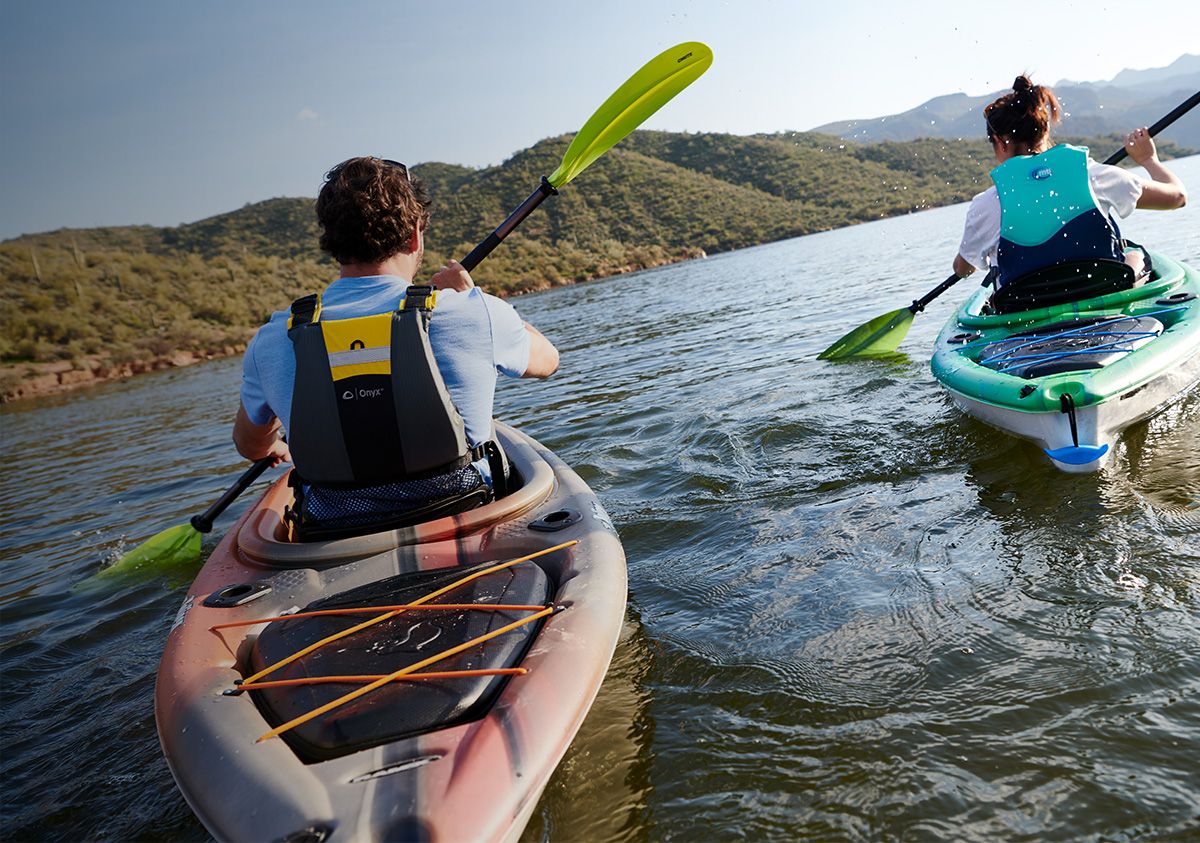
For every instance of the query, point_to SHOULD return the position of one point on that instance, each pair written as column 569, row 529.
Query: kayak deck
column 462, row 754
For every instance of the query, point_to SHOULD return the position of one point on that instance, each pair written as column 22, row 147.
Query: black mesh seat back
column 1062, row 283
column 1070, row 346
column 401, row 708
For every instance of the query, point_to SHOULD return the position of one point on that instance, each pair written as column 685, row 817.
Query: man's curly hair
column 368, row 209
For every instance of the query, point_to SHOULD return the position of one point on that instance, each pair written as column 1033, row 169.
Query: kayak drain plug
column 312, row 834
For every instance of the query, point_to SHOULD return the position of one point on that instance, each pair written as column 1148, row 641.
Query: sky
column 132, row 112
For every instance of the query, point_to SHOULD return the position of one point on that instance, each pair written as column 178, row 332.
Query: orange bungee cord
column 401, row 607
column 371, row 677
column 404, row 671
column 391, row 614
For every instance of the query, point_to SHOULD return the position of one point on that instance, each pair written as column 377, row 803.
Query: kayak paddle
column 644, row 93
column 884, row 333
column 180, row 545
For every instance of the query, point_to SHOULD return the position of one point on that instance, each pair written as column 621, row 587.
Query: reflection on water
column 602, row 788
column 856, row 613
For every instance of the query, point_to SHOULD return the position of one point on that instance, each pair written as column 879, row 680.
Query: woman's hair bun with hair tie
column 1022, row 84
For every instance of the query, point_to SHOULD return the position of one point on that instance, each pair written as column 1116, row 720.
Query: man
column 385, row 389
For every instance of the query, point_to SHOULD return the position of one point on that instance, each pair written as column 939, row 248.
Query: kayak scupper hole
column 237, row 594
column 557, row 520
column 1177, row 298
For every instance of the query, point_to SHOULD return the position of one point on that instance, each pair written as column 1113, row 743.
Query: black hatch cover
column 402, row 708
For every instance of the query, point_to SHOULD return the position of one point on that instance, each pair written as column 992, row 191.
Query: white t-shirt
column 1116, row 190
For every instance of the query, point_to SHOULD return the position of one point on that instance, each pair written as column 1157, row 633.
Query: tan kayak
column 425, row 682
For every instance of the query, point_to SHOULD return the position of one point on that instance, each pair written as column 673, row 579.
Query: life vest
column 369, row 405
column 1049, row 215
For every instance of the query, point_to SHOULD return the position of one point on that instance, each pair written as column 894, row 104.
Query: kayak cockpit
column 1166, row 277
column 263, row 539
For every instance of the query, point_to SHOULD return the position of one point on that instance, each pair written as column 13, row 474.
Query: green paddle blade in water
column 881, row 335
column 644, row 93
column 178, row 545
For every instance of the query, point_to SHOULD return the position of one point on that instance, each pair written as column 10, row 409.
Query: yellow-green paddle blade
column 174, row 546
column 644, row 93
column 879, row 336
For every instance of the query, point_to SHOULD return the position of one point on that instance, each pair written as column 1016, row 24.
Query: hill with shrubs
column 84, row 304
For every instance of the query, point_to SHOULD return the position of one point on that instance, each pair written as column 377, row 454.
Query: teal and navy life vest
column 1049, row 215
column 369, row 404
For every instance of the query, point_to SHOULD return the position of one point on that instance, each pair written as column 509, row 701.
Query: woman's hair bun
column 1022, row 84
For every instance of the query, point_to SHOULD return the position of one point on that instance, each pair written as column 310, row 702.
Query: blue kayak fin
column 1077, row 454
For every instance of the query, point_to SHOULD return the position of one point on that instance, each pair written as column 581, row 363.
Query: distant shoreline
column 21, row 381
column 24, row 381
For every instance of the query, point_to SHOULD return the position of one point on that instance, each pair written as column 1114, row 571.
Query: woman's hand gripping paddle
column 884, row 333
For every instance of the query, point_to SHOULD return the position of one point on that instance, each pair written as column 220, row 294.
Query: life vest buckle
column 421, row 297
column 305, row 309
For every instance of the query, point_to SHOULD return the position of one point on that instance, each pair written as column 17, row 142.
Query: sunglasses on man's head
column 398, row 165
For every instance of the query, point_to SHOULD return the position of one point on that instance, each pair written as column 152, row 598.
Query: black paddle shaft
column 918, row 305
column 203, row 523
column 505, row 228
column 1179, row 110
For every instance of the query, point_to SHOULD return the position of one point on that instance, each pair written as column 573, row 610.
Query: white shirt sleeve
column 981, row 231
column 1116, row 190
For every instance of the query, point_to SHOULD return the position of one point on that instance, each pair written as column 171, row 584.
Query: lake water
column 855, row 614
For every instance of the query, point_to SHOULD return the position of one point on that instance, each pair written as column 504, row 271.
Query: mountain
column 1184, row 66
column 1131, row 98
column 74, row 303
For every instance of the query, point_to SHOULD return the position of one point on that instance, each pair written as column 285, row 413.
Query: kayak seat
column 401, row 708
column 1071, row 346
column 1063, row 283
column 307, row 527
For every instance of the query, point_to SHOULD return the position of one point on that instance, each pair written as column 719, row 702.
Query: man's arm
column 255, row 441
column 543, row 356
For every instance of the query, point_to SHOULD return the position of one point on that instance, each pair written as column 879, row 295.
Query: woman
column 1028, row 225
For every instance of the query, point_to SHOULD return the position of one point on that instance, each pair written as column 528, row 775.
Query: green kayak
column 1070, row 377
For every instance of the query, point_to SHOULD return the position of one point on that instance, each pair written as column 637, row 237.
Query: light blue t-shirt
column 473, row 335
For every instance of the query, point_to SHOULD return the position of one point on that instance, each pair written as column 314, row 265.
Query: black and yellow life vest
column 369, row 404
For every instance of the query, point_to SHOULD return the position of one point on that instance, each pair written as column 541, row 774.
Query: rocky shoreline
column 34, row 380
column 20, row 381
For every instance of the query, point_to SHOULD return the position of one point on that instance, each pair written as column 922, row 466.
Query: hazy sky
column 121, row 112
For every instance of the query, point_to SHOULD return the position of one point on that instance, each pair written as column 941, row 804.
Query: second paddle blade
column 879, row 336
column 178, row 545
